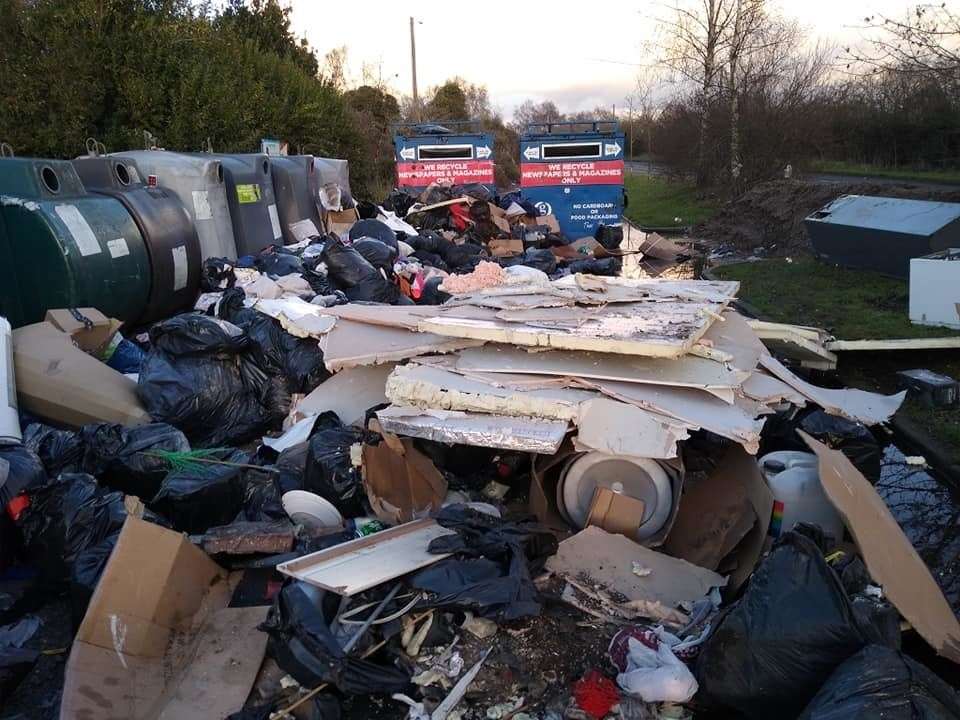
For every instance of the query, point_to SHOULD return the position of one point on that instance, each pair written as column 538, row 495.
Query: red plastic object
column 595, row 694
column 17, row 506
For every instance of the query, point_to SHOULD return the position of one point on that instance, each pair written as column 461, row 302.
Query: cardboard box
column 340, row 221
column 90, row 329
column 59, row 382
column 505, row 248
column 158, row 640
column 615, row 513
column 402, row 484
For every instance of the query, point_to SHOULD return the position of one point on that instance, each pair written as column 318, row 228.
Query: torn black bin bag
column 59, row 450
column 882, row 683
column 276, row 262
column 851, row 438
column 330, row 473
column 378, row 254
column 302, row 644
column 20, row 468
column 462, row 256
column 202, row 377
column 202, row 495
column 492, row 571
column 65, row 517
column 297, row 361
column 85, row 574
column 771, row 652
column 359, row 280
column 609, row 266
column 217, row 274
column 609, row 236
column 399, row 202
column 120, row 457
column 375, row 229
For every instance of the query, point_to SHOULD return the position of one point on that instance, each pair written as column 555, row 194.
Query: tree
column 447, row 102
column 267, row 24
column 529, row 113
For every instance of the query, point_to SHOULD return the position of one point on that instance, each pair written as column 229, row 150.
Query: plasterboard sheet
column 535, row 435
column 361, row 564
column 768, row 389
column 866, row 407
column 349, row 393
column 618, row 428
column 693, row 407
column 687, row 371
column 734, row 338
column 351, row 343
column 297, row 316
column 433, row 388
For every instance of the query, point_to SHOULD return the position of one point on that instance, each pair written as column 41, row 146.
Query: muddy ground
column 770, row 215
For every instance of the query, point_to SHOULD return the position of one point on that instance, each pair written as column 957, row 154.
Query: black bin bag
column 201, row 376
column 771, row 652
column 880, row 683
column 357, row 278
column 58, row 450
column 330, row 473
column 203, row 495
column 302, row 644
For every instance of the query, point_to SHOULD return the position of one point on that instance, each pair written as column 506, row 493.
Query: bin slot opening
column 445, row 152
column 571, row 150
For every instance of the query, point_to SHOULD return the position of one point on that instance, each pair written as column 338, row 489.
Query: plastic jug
column 798, row 496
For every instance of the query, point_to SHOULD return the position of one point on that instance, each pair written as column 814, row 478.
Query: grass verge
column 842, row 167
column 659, row 202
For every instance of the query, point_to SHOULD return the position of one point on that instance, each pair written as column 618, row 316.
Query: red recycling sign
column 572, row 172
column 458, row 172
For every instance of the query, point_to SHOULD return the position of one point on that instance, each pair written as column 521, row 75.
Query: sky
column 577, row 54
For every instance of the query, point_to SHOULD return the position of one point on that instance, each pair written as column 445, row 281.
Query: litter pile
column 417, row 468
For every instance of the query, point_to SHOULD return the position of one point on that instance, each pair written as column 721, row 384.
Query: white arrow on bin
column 408, row 153
column 532, row 153
column 482, row 152
column 613, row 149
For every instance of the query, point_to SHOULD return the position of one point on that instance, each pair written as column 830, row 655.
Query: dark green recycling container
column 68, row 248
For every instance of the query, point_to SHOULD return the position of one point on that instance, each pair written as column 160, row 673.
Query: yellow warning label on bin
column 248, row 193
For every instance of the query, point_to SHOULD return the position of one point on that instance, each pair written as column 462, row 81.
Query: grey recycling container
column 166, row 226
column 253, row 208
column 882, row 234
column 295, row 188
column 199, row 183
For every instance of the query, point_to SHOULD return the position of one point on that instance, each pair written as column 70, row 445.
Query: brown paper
column 615, row 513
column 401, row 487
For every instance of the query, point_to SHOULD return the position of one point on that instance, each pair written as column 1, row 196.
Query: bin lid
column 896, row 215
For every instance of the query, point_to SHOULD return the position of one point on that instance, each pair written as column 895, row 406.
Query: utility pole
column 413, row 65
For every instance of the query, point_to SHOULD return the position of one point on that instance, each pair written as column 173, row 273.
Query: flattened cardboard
column 401, row 486
column 889, row 555
column 93, row 339
column 506, row 247
column 340, row 221
column 59, row 382
column 615, row 513
column 608, row 560
column 158, row 640
column 716, row 513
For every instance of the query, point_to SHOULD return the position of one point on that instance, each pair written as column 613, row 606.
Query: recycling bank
column 454, row 152
column 574, row 170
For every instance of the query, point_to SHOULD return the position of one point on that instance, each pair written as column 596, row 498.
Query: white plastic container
column 198, row 181
column 9, row 417
column 798, row 495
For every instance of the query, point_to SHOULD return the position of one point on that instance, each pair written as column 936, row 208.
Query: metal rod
column 373, row 616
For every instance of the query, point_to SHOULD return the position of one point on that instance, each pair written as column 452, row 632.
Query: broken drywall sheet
column 866, row 407
column 298, row 317
column 595, row 558
column 423, row 386
column 890, row 557
column 692, row 407
column 733, row 338
column 617, row 428
column 801, row 344
column 769, row 390
column 686, row 371
column 349, row 393
column 497, row 431
column 351, row 343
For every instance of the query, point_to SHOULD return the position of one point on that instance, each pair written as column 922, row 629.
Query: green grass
column 658, row 202
column 842, row 167
column 849, row 304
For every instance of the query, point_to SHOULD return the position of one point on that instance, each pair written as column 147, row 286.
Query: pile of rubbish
column 438, row 462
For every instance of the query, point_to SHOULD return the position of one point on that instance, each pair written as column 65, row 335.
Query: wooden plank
column 361, row 564
column 946, row 343
column 688, row 371
column 802, row 344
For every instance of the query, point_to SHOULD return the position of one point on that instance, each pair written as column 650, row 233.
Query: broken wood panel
column 351, row 343
column 361, row 564
column 434, row 388
column 945, row 343
column 687, row 371
column 498, row 431
column 866, row 407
